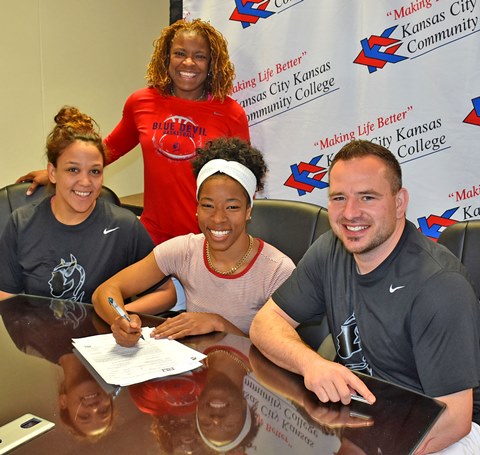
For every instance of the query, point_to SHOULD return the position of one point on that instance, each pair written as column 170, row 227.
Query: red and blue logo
column 248, row 12
column 378, row 50
column 474, row 117
column 433, row 226
column 305, row 177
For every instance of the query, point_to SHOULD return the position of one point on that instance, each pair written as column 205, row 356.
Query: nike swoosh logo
column 392, row 289
column 107, row 231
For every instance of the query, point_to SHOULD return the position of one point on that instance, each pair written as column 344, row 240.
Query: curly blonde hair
column 220, row 77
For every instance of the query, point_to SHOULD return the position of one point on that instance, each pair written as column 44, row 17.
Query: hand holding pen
column 119, row 310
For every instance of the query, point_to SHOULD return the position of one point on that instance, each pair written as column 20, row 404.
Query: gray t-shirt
column 414, row 320
column 41, row 256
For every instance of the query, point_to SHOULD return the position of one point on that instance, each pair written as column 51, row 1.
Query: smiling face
column 89, row 407
column 221, row 409
column 223, row 214
column 188, row 65
column 78, row 179
column 363, row 212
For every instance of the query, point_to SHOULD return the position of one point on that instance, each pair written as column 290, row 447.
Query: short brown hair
column 361, row 148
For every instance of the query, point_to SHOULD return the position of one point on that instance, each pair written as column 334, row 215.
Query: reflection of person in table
column 172, row 402
column 224, row 419
column 359, row 432
column 203, row 412
column 332, row 419
column 399, row 306
column 85, row 407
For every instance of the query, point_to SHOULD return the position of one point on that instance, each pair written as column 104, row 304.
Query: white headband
column 233, row 169
column 247, row 425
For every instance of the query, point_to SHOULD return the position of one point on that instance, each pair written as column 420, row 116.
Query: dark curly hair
column 232, row 149
column 220, row 77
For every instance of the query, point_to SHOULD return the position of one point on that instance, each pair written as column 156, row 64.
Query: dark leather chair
column 463, row 240
column 14, row 196
column 292, row 226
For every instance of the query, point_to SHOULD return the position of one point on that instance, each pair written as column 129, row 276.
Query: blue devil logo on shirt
column 349, row 347
column 67, row 280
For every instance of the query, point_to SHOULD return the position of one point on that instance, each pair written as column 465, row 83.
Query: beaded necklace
column 237, row 265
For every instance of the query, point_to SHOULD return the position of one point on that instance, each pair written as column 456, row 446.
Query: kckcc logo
column 377, row 51
column 474, row 116
column 305, row 177
column 433, row 225
column 248, row 12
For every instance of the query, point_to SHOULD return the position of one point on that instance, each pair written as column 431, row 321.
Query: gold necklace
column 196, row 99
column 237, row 265
column 233, row 357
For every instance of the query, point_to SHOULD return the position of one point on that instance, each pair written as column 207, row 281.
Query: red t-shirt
column 169, row 130
column 175, row 395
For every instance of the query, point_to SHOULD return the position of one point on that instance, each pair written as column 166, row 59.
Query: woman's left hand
column 186, row 324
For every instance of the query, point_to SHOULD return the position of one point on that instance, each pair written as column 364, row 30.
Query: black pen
column 120, row 312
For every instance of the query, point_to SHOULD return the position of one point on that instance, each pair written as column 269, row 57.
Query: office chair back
column 290, row 226
column 14, row 196
column 463, row 240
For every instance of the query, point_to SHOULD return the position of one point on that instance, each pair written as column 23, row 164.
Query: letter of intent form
column 148, row 359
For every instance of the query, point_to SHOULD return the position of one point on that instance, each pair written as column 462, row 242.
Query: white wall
column 88, row 53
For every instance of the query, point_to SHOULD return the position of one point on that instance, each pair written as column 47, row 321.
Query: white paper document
column 149, row 359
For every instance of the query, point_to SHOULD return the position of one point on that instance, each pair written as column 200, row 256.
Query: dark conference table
column 240, row 402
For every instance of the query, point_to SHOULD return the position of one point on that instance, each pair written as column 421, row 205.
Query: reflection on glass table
column 238, row 402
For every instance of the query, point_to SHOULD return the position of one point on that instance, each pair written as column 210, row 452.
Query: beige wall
column 88, row 53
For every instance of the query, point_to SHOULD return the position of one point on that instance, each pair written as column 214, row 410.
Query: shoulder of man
column 438, row 254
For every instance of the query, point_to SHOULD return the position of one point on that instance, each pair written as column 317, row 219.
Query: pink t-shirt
column 237, row 298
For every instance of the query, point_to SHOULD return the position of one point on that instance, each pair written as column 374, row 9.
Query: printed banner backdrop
column 314, row 74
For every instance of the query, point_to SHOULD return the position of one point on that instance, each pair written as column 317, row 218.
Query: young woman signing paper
column 226, row 273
